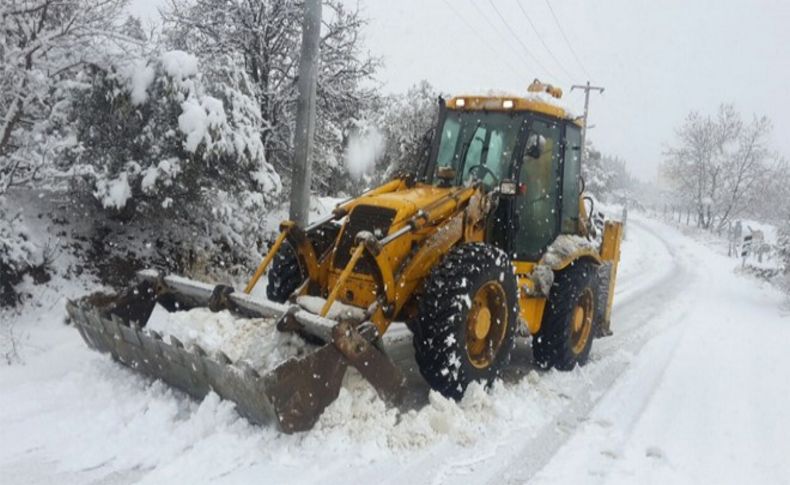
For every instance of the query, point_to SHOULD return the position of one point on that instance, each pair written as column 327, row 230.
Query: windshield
column 478, row 145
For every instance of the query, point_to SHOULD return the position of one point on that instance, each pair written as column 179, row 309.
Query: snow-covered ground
column 706, row 401
column 692, row 388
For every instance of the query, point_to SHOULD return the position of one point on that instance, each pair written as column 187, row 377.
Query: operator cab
column 526, row 150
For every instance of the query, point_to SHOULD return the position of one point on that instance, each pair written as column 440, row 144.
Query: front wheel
column 285, row 275
column 566, row 333
column 466, row 319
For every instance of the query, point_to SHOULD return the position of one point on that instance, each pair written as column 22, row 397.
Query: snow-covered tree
column 262, row 40
column 783, row 253
column 395, row 136
column 770, row 199
column 151, row 136
column 597, row 177
column 717, row 162
column 408, row 122
column 19, row 256
column 606, row 176
column 159, row 149
column 133, row 28
column 43, row 43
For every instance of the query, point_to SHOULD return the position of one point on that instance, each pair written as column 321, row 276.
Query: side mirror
column 508, row 188
column 535, row 145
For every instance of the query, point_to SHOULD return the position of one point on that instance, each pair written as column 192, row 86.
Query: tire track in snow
column 638, row 400
column 515, row 454
column 634, row 288
column 520, row 453
column 641, row 305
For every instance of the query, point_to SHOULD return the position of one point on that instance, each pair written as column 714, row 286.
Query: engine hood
column 405, row 202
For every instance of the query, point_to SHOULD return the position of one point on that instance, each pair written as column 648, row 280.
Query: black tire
column 557, row 344
column 449, row 305
column 285, row 274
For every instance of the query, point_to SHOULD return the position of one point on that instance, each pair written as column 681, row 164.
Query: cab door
column 537, row 213
column 571, row 178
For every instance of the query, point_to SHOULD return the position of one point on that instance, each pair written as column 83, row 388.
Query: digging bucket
column 292, row 395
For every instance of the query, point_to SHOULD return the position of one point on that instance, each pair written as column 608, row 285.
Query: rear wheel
column 466, row 319
column 285, row 275
column 566, row 333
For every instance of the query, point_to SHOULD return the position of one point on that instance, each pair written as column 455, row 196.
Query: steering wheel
column 488, row 171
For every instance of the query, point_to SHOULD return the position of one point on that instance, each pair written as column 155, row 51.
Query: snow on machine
column 491, row 234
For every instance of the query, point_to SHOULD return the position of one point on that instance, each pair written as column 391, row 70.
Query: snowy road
column 707, row 400
column 693, row 387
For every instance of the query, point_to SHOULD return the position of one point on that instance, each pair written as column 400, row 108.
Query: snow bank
column 358, row 415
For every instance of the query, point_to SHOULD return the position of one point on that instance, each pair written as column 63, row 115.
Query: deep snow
column 691, row 389
column 707, row 399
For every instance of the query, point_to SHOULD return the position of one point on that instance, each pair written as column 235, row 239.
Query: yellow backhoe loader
column 492, row 234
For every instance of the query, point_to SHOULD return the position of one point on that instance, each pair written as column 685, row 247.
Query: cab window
column 570, row 179
column 478, row 145
column 536, row 205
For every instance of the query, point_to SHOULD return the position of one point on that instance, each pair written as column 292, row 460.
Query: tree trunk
column 12, row 118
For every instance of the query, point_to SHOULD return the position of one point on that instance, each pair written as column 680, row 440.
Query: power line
column 567, row 42
column 513, row 33
column 482, row 38
column 495, row 29
column 548, row 49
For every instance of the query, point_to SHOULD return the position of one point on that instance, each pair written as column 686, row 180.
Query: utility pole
column 587, row 88
column 305, row 113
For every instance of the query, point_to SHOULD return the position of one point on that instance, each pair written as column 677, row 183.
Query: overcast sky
column 657, row 59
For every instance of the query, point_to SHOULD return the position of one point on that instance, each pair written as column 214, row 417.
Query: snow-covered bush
column 256, row 45
column 18, row 256
column 150, row 135
column 168, row 162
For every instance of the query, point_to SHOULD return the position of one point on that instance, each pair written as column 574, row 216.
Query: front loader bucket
column 293, row 395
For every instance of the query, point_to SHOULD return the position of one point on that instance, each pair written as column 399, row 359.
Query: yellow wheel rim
column 486, row 325
column 581, row 321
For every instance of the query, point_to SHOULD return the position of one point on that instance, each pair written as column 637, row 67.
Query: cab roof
column 509, row 103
